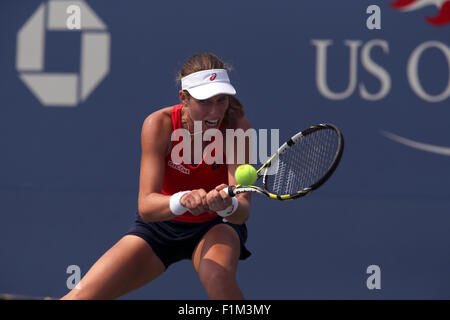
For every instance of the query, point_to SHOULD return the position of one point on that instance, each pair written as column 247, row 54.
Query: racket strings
column 305, row 163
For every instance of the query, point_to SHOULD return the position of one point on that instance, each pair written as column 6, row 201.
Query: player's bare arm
column 155, row 141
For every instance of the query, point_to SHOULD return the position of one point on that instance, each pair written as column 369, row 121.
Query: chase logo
column 62, row 89
column 442, row 17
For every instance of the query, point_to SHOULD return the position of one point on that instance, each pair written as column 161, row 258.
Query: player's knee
column 212, row 274
column 223, row 233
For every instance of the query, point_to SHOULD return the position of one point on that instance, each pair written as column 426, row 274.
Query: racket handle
column 229, row 190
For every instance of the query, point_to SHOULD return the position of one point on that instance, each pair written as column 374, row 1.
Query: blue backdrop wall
column 72, row 104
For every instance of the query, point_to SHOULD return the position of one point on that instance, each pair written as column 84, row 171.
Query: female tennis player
column 181, row 208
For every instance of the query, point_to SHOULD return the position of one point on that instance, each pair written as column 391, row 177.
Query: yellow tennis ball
column 246, row 174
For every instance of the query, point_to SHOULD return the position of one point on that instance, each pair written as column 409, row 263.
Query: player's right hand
column 195, row 201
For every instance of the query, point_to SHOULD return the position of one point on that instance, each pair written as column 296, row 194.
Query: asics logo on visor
column 213, row 76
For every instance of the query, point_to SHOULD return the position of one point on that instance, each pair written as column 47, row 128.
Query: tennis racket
column 301, row 165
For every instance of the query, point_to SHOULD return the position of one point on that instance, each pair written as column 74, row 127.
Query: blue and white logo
column 62, row 89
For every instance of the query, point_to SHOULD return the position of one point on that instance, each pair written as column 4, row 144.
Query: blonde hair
column 207, row 61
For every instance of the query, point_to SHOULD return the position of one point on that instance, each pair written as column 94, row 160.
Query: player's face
column 210, row 111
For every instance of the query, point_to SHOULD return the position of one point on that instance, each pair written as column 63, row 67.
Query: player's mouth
column 212, row 123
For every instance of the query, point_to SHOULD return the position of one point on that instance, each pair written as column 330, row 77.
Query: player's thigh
column 128, row 265
column 220, row 247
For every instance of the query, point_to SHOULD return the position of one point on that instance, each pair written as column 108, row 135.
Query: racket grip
column 229, row 190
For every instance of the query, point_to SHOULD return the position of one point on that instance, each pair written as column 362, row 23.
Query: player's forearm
column 242, row 213
column 155, row 207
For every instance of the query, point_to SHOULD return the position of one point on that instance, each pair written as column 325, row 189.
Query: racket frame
column 263, row 170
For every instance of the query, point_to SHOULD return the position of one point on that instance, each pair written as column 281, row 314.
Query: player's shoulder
column 157, row 127
column 158, row 121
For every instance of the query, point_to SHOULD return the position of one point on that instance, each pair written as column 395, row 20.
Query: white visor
column 207, row 83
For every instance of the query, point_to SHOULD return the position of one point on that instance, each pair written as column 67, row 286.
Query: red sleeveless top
column 183, row 176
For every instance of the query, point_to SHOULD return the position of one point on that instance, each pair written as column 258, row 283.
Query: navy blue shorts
column 173, row 241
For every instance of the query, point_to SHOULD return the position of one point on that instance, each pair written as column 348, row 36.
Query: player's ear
column 184, row 96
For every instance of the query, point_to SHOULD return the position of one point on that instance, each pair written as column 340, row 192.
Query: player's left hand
column 217, row 200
